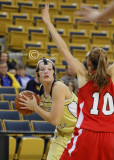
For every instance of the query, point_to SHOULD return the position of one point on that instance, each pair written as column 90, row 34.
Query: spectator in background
column 13, row 71
column 5, row 57
column 69, row 76
column 34, row 85
column 21, row 76
column 72, row 86
column 6, row 78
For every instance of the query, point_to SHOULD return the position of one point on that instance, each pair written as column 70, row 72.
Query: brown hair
column 98, row 64
column 2, row 62
column 20, row 66
column 73, row 84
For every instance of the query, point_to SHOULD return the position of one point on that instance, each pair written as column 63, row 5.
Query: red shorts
column 89, row 145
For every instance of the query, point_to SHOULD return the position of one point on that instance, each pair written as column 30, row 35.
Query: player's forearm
column 45, row 115
column 108, row 12
column 110, row 70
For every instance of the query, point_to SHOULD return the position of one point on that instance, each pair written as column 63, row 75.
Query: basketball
column 18, row 106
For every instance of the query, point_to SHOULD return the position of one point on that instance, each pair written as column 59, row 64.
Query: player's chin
column 47, row 79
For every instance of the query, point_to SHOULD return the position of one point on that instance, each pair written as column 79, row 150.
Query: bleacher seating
column 24, row 3
column 21, row 90
column 100, row 37
column 8, row 97
column 28, row 9
column 16, row 39
column 33, row 116
column 12, row 147
column 9, row 115
column 9, row 8
column 42, row 37
column 15, row 16
column 24, row 22
column 68, row 8
column 31, row 148
column 4, row 105
column 78, row 46
column 7, row 90
column 10, row 28
column 16, row 126
column 42, row 127
column 62, row 15
column 79, row 36
column 52, row 5
column 4, row 21
column 50, row 45
column 35, row 30
column 5, row 2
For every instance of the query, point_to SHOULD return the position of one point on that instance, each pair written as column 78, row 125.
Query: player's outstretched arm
column 110, row 70
column 95, row 15
column 77, row 67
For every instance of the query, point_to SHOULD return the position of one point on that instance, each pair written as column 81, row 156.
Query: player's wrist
column 36, row 108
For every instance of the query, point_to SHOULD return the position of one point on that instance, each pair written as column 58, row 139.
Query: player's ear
column 37, row 74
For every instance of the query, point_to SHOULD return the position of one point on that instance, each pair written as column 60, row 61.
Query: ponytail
column 98, row 59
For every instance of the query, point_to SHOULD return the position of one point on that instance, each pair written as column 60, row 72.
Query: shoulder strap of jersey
column 42, row 89
column 52, row 87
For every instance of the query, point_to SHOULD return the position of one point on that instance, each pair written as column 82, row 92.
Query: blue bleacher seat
column 17, row 16
column 5, row 3
column 15, row 125
column 14, row 29
column 21, row 89
column 17, row 28
column 37, row 17
column 35, row 31
column 9, row 90
column 30, row 4
column 60, row 70
column 36, row 44
column 8, row 97
column 33, row 116
column 4, row 105
column 10, row 115
column 43, row 126
column 49, row 46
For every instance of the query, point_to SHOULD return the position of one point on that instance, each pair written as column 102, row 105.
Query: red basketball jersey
column 96, row 110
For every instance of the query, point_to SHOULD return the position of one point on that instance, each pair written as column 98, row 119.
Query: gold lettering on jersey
column 62, row 125
column 48, row 109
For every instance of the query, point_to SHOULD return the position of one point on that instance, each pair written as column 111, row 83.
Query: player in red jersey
column 93, row 137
